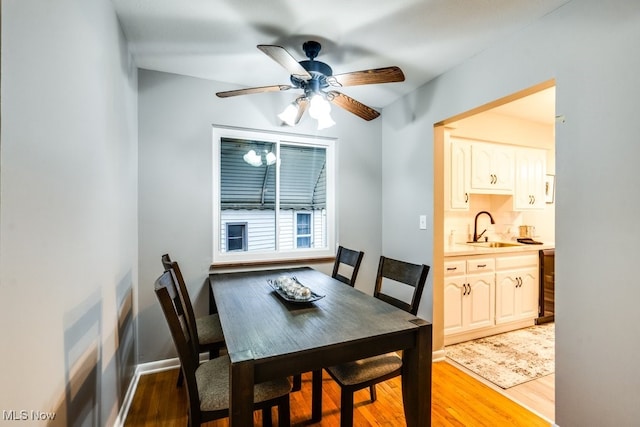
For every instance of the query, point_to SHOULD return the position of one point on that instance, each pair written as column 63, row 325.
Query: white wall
column 589, row 47
column 176, row 114
column 68, row 231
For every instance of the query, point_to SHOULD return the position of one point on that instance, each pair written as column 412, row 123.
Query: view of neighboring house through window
column 303, row 230
column 236, row 236
column 273, row 196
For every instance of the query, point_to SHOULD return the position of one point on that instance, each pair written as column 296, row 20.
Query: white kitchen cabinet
column 530, row 171
column 460, row 174
column 469, row 295
column 517, row 288
column 492, row 168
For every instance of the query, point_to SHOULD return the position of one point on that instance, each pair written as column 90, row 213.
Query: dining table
column 269, row 336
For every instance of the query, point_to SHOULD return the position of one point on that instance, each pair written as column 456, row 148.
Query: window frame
column 247, row 257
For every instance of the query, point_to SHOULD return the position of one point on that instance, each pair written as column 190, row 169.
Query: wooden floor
column 458, row 400
column 536, row 395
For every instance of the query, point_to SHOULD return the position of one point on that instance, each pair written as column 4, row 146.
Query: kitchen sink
column 494, row 244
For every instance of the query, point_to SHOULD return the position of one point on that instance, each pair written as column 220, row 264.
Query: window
column 273, row 196
column 236, row 236
column 303, row 230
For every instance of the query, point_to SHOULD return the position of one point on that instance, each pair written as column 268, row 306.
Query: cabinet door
column 460, row 169
column 503, row 167
column 506, row 297
column 481, row 167
column 529, row 179
column 492, row 168
column 480, row 300
column 454, row 290
column 527, row 303
column 516, row 295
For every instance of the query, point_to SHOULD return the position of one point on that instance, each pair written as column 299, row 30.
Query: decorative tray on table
column 291, row 290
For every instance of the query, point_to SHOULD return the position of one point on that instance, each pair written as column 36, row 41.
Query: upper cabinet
column 492, row 167
column 489, row 168
column 460, row 174
column 530, row 174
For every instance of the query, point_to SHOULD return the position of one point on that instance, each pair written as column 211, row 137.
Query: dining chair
column 208, row 383
column 207, row 328
column 350, row 258
column 360, row 374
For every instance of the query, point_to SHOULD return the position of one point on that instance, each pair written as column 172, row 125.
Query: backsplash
column 506, row 220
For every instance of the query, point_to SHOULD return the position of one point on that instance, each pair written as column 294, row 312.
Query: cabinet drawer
column 454, row 268
column 480, row 265
column 511, row 262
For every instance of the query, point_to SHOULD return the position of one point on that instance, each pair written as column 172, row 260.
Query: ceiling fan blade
column 366, row 77
column 303, row 104
column 247, row 91
column 284, row 58
column 351, row 105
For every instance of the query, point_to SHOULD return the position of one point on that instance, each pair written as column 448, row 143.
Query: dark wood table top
column 254, row 317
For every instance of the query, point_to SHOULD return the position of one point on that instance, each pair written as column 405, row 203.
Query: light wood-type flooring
column 458, row 399
column 537, row 395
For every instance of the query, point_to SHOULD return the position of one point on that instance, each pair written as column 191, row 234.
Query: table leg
column 241, row 383
column 416, row 378
column 316, row 396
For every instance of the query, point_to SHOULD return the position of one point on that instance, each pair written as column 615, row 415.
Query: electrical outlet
column 423, row 222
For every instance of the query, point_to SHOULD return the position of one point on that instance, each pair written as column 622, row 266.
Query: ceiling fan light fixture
column 318, row 106
column 288, row 115
column 320, row 109
column 325, row 121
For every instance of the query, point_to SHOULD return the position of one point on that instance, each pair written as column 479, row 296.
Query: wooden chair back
column 183, row 301
column 165, row 289
column 414, row 275
column 348, row 257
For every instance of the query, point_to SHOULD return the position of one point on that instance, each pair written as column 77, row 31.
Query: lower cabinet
column 488, row 295
column 469, row 299
column 517, row 287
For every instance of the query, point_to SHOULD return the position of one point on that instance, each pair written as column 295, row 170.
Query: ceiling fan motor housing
column 319, row 72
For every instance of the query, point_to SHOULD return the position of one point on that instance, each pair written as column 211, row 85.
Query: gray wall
column 590, row 47
column 68, row 231
column 176, row 114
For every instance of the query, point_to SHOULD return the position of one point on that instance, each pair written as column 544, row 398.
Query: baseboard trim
column 144, row 369
column 438, row 355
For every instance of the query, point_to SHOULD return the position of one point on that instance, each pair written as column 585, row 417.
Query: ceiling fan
column 317, row 81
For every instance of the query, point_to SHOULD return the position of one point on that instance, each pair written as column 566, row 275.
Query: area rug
column 511, row 358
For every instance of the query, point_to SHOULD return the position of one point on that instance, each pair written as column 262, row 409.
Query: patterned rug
column 511, row 358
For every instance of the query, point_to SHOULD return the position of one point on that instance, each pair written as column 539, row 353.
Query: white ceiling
column 539, row 107
column 216, row 39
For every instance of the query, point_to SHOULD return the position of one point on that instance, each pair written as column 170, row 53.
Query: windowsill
column 245, row 264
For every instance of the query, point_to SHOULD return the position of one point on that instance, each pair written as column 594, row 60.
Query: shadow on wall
column 83, row 361
column 91, row 394
column 125, row 340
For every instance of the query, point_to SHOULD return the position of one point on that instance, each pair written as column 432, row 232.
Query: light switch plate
column 423, row 222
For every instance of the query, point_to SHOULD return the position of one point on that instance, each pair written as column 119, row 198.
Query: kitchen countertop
column 463, row 249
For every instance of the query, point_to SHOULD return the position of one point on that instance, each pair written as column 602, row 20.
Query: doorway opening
column 523, row 122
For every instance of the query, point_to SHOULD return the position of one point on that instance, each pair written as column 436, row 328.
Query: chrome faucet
column 476, row 236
